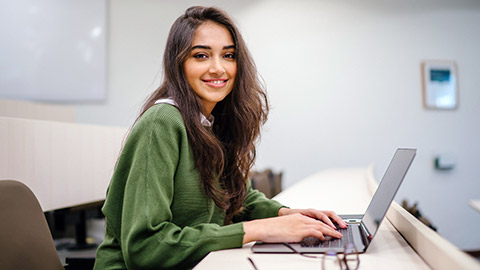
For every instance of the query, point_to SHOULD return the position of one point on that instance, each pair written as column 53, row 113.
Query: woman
column 180, row 187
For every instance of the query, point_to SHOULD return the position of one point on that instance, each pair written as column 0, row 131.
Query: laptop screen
column 387, row 189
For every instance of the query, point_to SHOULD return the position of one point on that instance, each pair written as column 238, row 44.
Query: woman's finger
column 325, row 218
column 322, row 215
column 336, row 218
column 326, row 230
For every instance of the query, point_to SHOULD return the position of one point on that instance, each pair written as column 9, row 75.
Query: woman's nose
column 216, row 66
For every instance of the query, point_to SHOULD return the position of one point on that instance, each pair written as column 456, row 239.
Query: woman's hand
column 325, row 216
column 292, row 225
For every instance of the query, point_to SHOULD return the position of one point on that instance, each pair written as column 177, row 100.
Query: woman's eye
column 200, row 56
column 230, row 56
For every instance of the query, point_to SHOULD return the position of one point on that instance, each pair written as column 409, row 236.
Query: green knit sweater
column 157, row 216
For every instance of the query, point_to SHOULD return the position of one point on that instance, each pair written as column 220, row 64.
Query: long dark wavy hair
column 225, row 153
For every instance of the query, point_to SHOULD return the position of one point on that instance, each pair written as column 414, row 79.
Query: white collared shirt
column 206, row 122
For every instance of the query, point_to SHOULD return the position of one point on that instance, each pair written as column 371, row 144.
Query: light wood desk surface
column 388, row 250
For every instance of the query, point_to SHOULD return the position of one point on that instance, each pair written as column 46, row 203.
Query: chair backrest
column 25, row 239
column 268, row 182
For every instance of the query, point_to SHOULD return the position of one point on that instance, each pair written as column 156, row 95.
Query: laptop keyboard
column 329, row 242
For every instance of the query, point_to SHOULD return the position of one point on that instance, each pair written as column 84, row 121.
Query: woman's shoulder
column 163, row 116
column 163, row 113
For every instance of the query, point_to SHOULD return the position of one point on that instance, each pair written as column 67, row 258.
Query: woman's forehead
column 211, row 33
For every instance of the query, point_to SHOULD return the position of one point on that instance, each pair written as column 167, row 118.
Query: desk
column 322, row 191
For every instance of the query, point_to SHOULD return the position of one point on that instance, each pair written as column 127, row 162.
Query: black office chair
column 25, row 239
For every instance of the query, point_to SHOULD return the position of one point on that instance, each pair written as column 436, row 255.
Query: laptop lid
column 387, row 189
column 362, row 233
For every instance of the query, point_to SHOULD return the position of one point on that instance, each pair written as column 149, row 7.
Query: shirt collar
column 206, row 122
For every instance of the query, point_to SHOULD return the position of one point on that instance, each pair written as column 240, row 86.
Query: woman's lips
column 216, row 82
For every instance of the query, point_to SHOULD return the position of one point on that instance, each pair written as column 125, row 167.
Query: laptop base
column 261, row 247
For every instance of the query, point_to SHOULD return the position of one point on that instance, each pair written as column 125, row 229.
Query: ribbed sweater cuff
column 232, row 237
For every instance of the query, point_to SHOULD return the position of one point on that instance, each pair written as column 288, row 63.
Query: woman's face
column 211, row 67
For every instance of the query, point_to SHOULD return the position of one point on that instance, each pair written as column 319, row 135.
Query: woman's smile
column 217, row 83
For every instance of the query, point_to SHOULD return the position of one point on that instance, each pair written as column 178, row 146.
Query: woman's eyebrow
column 205, row 47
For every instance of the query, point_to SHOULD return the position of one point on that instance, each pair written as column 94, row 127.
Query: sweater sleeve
column 138, row 206
column 257, row 206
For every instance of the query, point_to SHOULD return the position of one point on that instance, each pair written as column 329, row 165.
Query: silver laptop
column 361, row 228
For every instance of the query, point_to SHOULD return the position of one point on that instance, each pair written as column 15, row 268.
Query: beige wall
column 34, row 110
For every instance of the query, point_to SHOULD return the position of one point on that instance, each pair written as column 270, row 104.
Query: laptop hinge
column 367, row 237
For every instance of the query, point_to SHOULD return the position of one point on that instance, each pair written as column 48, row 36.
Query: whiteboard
column 53, row 50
